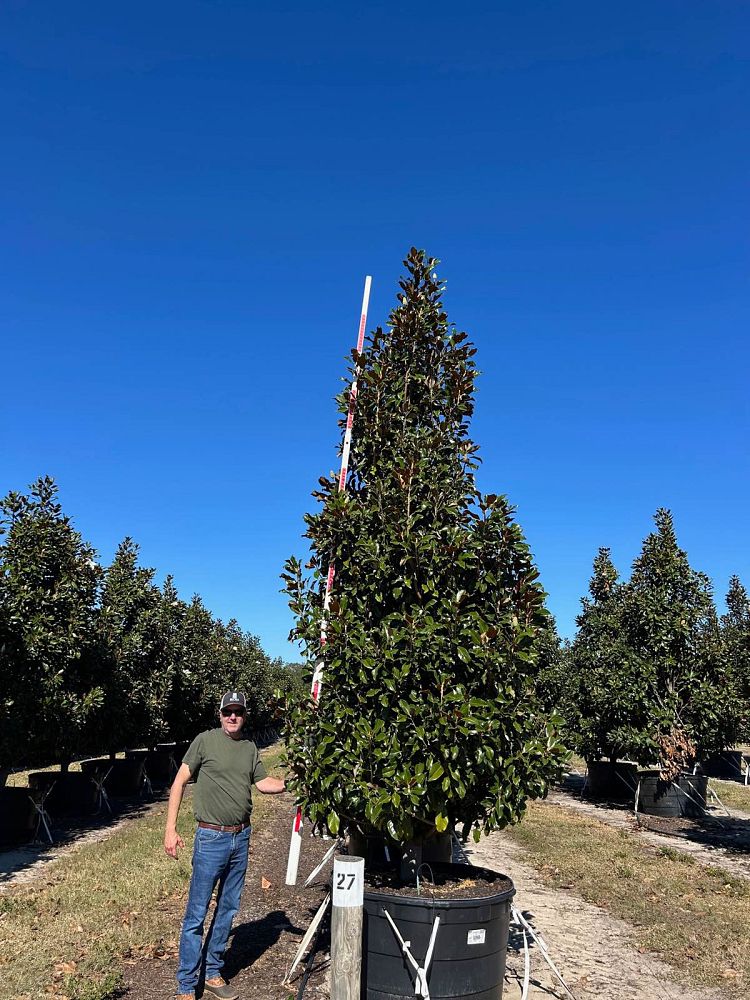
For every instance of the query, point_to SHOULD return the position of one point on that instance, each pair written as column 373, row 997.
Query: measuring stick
column 317, row 680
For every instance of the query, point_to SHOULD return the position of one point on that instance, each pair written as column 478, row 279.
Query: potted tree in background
column 671, row 623
column 429, row 718
column 50, row 588
column 735, row 633
column 602, row 696
column 647, row 678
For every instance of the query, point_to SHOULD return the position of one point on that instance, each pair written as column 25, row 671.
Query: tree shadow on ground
column 250, row 940
column 714, row 830
column 576, row 785
column 16, row 859
column 730, row 834
column 516, row 950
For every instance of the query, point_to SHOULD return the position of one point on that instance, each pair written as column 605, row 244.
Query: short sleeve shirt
column 225, row 771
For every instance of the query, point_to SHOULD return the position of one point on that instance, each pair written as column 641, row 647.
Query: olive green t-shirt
column 224, row 770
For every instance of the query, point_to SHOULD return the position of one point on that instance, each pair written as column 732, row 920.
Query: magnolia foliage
column 428, row 715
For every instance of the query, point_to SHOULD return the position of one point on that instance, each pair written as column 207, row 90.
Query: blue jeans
column 218, row 858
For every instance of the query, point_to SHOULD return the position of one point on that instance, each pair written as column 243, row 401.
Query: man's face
column 232, row 720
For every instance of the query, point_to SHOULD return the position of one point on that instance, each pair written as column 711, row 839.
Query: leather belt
column 237, row 828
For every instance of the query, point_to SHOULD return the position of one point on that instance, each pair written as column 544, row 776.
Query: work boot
column 184, row 996
column 221, row 989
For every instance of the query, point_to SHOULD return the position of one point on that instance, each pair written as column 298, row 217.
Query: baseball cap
column 235, row 698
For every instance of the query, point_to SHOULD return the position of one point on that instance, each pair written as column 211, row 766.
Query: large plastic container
column 71, row 793
column 726, row 765
column 608, row 781
column 470, row 946
column 159, row 764
column 16, row 816
column 684, row 797
column 126, row 777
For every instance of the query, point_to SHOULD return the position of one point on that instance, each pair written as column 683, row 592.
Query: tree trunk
column 411, row 859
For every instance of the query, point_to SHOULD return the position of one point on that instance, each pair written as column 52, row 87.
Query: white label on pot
column 476, row 937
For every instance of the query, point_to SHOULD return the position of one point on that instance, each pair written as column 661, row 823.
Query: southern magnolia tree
column 428, row 714
column 209, row 657
column 671, row 624
column 50, row 677
column 605, row 698
column 75, row 638
column 134, row 648
column 646, row 678
column 735, row 630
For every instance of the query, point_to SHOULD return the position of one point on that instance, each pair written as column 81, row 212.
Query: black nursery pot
column 73, row 793
column 470, row 945
column 126, row 777
column 726, row 765
column 158, row 764
column 96, row 767
column 657, row 797
column 16, row 816
column 608, row 781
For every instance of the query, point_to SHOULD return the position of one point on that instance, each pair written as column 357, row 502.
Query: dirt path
column 268, row 929
column 592, row 950
column 724, row 841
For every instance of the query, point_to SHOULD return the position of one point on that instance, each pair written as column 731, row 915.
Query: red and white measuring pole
column 317, row 681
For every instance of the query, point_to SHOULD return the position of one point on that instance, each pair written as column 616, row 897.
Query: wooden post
column 346, row 927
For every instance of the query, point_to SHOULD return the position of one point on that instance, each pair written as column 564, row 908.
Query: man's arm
column 172, row 839
column 270, row 786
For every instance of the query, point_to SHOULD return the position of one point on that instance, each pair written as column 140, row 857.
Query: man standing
column 225, row 766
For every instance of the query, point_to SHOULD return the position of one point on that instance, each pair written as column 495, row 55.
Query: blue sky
column 192, row 193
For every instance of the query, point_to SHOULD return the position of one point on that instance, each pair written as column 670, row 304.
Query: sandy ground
column 727, row 846
column 592, row 950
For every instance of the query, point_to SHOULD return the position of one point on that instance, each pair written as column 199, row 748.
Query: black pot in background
column 657, row 797
column 126, row 777
column 96, row 767
column 159, row 764
column 608, row 781
column 16, row 816
column 726, row 765
column 72, row 793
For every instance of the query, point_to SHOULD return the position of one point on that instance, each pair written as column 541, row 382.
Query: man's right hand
column 172, row 842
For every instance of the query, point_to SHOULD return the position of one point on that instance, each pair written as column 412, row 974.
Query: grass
column 21, row 778
column 66, row 934
column 693, row 917
column 732, row 793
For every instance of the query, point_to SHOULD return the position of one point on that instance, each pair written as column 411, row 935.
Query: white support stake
column 317, row 681
column 526, row 965
column 421, row 988
column 523, row 923
column 309, row 933
column 328, row 855
column 295, row 843
column 294, row 848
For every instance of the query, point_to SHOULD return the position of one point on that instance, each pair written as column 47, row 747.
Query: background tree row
column 95, row 659
column 654, row 674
